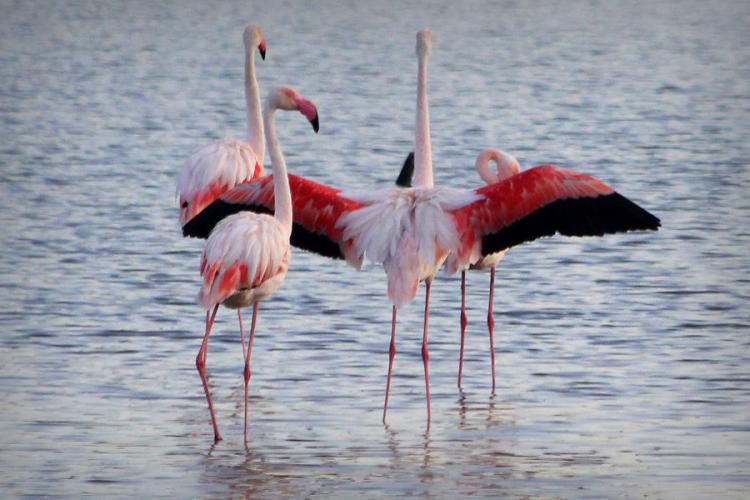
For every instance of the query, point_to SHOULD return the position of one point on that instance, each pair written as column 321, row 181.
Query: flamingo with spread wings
column 507, row 166
column 413, row 231
column 247, row 254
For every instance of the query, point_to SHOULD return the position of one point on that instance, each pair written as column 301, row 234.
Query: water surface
column 622, row 361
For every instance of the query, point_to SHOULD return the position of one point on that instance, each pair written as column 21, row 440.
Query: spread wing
column 542, row 201
column 316, row 209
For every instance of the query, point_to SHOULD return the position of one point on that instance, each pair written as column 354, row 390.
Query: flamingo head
column 424, row 42
column 253, row 37
column 507, row 165
column 288, row 99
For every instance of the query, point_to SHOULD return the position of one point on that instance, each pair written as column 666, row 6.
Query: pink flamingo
column 413, row 231
column 507, row 166
column 222, row 164
column 247, row 254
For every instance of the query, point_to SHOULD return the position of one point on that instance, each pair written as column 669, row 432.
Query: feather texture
column 213, row 170
column 243, row 254
column 409, row 231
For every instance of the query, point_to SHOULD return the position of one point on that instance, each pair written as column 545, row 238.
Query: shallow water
column 623, row 362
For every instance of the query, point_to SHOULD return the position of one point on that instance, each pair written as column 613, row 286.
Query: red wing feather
column 542, row 201
column 316, row 209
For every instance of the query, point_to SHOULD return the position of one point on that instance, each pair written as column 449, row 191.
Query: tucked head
column 253, row 37
column 507, row 165
column 424, row 42
column 288, row 99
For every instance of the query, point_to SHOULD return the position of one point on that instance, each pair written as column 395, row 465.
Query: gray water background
column 623, row 362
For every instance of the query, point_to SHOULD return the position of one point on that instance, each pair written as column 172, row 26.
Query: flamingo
column 247, row 254
column 222, row 164
column 507, row 166
column 413, row 231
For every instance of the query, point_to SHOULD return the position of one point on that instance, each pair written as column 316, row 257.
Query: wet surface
column 622, row 361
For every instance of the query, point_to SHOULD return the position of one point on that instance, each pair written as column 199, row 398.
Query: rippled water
column 623, row 362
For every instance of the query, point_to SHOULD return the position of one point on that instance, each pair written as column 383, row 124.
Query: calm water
column 623, row 362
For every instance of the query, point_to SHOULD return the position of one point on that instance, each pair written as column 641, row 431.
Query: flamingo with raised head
column 413, row 231
column 506, row 166
column 220, row 165
column 247, row 254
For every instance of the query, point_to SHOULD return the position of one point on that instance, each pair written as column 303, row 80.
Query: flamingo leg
column 391, row 355
column 242, row 334
column 425, row 352
column 463, row 326
column 491, row 325
column 248, row 352
column 200, row 364
column 203, row 351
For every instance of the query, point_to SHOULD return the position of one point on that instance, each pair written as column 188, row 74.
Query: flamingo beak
column 308, row 109
column 262, row 49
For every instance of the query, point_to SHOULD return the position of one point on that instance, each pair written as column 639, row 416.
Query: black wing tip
column 204, row 222
column 407, row 172
column 605, row 214
column 314, row 242
column 638, row 218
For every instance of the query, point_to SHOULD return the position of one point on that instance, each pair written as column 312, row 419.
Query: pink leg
column 463, row 326
column 203, row 351
column 248, row 352
column 242, row 334
column 425, row 352
column 391, row 354
column 200, row 364
column 491, row 325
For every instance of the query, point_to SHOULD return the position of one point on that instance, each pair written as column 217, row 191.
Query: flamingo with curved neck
column 222, row 164
column 247, row 255
column 506, row 167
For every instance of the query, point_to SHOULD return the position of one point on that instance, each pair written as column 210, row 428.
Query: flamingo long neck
column 422, row 146
column 282, row 195
column 252, row 102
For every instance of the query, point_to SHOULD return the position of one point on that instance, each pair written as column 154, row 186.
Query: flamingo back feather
column 409, row 231
column 213, row 170
column 244, row 251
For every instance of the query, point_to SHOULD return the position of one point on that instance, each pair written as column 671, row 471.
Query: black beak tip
column 262, row 53
column 315, row 124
